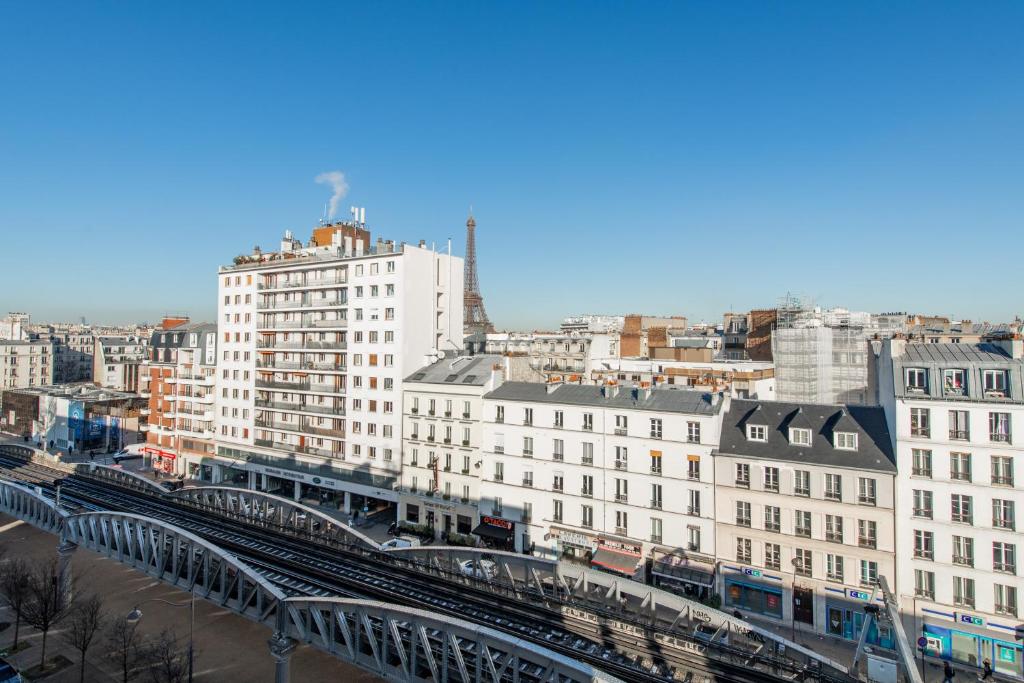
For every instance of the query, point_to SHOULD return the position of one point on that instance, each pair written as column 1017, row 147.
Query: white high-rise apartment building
column 614, row 474
column 957, row 412
column 314, row 344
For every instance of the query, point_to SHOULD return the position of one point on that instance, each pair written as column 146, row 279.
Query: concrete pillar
column 281, row 649
column 347, row 504
column 64, row 551
column 252, row 480
column 263, row 482
column 298, row 491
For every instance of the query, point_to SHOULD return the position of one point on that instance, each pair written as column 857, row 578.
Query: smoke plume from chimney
column 336, row 179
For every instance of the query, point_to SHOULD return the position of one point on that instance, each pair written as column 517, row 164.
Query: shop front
column 572, row 544
column 971, row 639
column 617, row 557
column 749, row 589
column 496, row 533
column 844, row 617
column 688, row 574
column 160, row 459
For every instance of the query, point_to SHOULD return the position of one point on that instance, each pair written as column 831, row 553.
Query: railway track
column 301, row 568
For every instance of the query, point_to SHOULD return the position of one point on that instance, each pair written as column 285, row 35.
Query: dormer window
column 917, row 380
column 846, row 441
column 799, row 436
column 994, row 382
column 954, row 381
column 757, row 433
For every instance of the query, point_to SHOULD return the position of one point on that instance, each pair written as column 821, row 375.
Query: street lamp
column 135, row 616
column 797, row 565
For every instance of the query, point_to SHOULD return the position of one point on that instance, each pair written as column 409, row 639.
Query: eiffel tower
column 474, row 317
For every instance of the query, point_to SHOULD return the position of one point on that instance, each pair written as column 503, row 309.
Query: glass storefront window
column 965, row 648
column 755, row 599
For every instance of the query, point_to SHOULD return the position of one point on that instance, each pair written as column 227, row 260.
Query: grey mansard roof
column 626, row 398
column 974, row 359
column 465, row 370
column 874, row 446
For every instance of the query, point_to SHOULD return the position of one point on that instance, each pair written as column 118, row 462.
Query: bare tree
column 168, row 662
column 86, row 619
column 48, row 601
column 14, row 575
column 127, row 646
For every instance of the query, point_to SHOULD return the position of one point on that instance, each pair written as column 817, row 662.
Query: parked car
column 401, row 542
column 479, row 569
column 8, row 674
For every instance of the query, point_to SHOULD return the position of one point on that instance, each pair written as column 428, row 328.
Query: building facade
column 117, row 361
column 25, row 364
column 178, row 381
column 957, row 412
column 804, row 498
column 608, row 475
column 315, row 342
column 442, row 408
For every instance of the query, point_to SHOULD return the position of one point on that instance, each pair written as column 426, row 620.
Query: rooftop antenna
column 323, row 217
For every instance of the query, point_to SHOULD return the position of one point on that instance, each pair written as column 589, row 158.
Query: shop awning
column 681, row 568
column 490, row 531
column 624, row 563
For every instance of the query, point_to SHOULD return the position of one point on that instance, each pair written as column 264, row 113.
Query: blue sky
column 681, row 158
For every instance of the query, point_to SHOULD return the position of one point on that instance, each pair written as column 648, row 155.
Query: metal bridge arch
column 31, row 506
column 119, row 477
column 179, row 558
column 266, row 509
column 416, row 646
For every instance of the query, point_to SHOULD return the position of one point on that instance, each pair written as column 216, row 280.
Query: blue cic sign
column 749, row 571
column 858, row 595
column 969, row 619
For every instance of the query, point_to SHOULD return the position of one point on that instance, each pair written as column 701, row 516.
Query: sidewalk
column 228, row 647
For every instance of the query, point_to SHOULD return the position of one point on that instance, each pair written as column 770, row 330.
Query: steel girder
column 178, row 558
column 265, row 509
column 120, row 477
column 413, row 646
column 30, row 506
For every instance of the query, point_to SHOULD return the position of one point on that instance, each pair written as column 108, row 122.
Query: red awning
column 624, row 563
column 159, row 453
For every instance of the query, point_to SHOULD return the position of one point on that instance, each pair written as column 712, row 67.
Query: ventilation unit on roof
column 419, row 375
column 451, row 378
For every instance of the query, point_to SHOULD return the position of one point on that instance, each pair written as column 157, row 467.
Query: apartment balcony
column 656, row 504
column 144, row 411
column 322, row 366
column 293, row 448
column 293, row 345
column 304, row 303
column 621, row 531
column 300, row 408
column 297, row 385
column 304, row 283
column 959, row 435
column 302, row 428
column 621, row 498
column 620, row 464
column 145, row 393
column 305, row 323
column 999, row 438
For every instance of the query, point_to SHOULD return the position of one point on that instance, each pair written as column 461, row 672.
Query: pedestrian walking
column 986, row 670
column 947, row 673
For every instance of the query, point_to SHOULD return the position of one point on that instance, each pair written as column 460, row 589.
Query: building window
column 558, row 450
column 655, row 462
column 693, row 467
column 924, row 584
column 834, row 528
column 994, row 382
column 833, row 487
column 802, row 523
column 868, row 573
column 527, row 446
column 587, row 517
column 924, row 545
column 1003, row 514
column 1002, row 470
column 917, row 380
column 960, row 466
column 693, row 508
column 655, row 428
column 1004, row 557
column 693, row 538
column 867, row 533
column 556, row 510
column 959, row 425
column 963, row 551
column 963, row 591
column 743, row 550
column 801, row 483
column 527, row 416
column 693, row 432
column 961, row 509
column 771, row 479
column 559, row 418
column 1005, row 599
column 999, row 427
column 743, row 474
column 867, row 491
column 655, row 530
column 587, row 456
column 621, row 457
column 802, row 563
column 923, row 504
column 772, row 556
column 799, row 436
column 772, row 518
column 846, row 441
column 742, row 513
column 920, row 423
column 588, row 486
column 757, row 432
column 922, row 463
column 834, row 567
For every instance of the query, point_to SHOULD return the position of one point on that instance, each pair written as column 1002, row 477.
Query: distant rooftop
column 662, row 399
column 463, row 370
column 954, row 353
column 79, row 391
